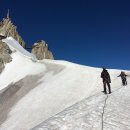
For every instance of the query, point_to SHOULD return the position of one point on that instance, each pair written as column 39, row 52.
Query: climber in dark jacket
column 123, row 77
column 106, row 80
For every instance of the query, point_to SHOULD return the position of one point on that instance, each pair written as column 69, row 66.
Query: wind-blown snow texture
column 32, row 92
column 99, row 112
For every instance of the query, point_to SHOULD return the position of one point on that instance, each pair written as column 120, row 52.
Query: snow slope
column 23, row 64
column 32, row 91
column 98, row 112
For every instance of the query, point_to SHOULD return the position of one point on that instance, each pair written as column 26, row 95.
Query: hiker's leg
column 123, row 82
column 104, row 85
column 109, row 87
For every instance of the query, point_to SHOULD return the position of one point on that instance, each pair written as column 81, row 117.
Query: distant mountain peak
column 8, row 29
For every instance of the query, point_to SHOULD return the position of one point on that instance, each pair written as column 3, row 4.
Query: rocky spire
column 8, row 29
column 8, row 14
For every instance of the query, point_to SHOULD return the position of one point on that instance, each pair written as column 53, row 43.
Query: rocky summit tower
column 41, row 51
column 8, row 29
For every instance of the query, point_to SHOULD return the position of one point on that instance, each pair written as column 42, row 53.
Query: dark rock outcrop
column 41, row 51
column 5, row 57
column 2, row 66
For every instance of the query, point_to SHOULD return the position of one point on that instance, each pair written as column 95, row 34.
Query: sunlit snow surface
column 99, row 112
column 32, row 92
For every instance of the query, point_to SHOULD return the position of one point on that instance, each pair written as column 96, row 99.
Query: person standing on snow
column 106, row 80
column 123, row 77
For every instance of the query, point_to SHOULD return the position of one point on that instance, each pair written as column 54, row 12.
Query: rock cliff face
column 41, row 51
column 5, row 57
column 7, row 28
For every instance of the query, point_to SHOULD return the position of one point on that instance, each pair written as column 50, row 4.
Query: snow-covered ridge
column 22, row 64
column 15, row 46
column 31, row 92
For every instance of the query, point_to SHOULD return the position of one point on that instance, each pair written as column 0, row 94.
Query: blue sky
column 89, row 32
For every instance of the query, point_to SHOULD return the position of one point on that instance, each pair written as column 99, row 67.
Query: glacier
column 59, row 95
